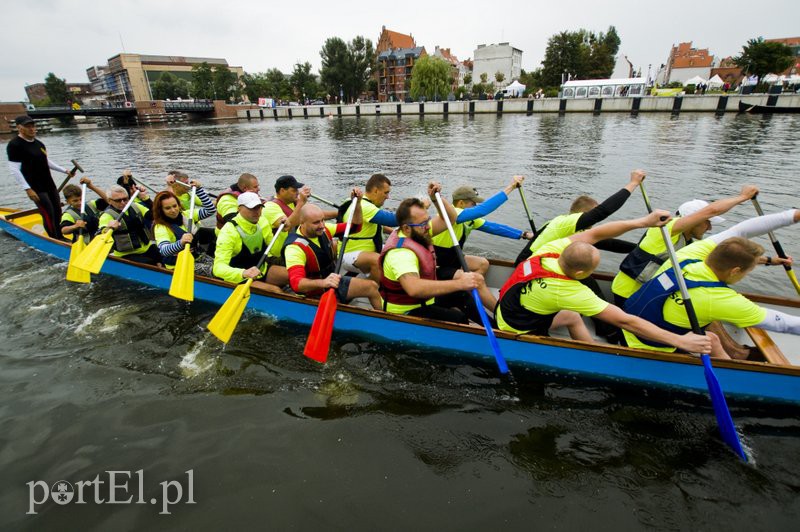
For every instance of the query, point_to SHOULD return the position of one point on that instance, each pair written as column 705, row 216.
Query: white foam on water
column 14, row 279
column 195, row 362
column 82, row 327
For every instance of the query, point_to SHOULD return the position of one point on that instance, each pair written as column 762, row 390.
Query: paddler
column 364, row 247
column 310, row 255
column 241, row 243
column 471, row 208
column 584, row 213
column 227, row 205
column 545, row 291
column 710, row 266
column 694, row 219
column 132, row 234
column 170, row 226
column 72, row 220
column 409, row 284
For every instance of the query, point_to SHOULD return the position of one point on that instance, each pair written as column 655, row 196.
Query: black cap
column 23, row 120
column 287, row 181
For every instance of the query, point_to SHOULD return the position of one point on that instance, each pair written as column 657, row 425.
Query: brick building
column 396, row 55
column 459, row 69
column 685, row 62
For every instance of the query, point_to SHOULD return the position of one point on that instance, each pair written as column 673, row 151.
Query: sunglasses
column 426, row 223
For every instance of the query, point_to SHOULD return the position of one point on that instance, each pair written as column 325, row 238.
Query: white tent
column 515, row 89
column 694, row 81
column 771, row 78
column 716, row 81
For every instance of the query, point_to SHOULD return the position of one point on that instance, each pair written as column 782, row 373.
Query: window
column 635, row 90
column 594, row 92
column 608, row 91
column 581, row 92
column 569, row 93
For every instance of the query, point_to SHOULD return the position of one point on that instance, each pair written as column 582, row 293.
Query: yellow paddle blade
column 93, row 257
column 228, row 316
column 793, row 278
column 76, row 275
column 182, row 285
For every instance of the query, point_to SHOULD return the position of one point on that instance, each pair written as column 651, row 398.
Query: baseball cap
column 692, row 206
column 467, row 193
column 23, row 120
column 250, row 200
column 287, row 181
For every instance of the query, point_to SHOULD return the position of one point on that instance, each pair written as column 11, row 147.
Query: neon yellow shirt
column 710, row 304
column 271, row 213
column 559, row 227
column 443, row 239
column 229, row 244
column 548, row 295
column 624, row 285
column 362, row 241
column 398, row 262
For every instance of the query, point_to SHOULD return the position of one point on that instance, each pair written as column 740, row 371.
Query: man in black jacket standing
column 30, row 166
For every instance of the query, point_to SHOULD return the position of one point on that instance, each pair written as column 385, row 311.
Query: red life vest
column 285, row 208
column 232, row 191
column 532, row 269
column 319, row 259
column 392, row 291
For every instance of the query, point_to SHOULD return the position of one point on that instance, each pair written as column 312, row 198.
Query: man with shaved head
column 310, row 255
column 545, row 291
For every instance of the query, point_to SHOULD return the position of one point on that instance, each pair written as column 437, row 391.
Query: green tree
column 225, row 83
column 56, row 89
column 499, row 77
column 467, row 79
column 278, row 85
column 581, row 54
column 761, row 58
column 169, row 87
column 430, row 78
column 303, row 82
column 255, row 86
column 372, row 87
column 346, row 67
column 202, row 81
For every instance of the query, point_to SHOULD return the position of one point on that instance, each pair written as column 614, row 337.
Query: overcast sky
column 66, row 37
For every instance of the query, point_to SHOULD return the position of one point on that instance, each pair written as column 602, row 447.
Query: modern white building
column 492, row 58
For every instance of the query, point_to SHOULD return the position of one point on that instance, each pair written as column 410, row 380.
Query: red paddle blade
column 319, row 339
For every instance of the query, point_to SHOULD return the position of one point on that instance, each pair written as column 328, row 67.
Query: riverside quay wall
column 712, row 103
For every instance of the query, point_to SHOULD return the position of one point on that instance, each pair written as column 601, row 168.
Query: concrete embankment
column 713, row 103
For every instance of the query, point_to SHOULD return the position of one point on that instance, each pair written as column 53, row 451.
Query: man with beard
column 409, row 284
column 311, row 257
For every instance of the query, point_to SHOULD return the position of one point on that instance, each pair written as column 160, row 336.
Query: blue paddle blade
column 501, row 362
column 724, row 420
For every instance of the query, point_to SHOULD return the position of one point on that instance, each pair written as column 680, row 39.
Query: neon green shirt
column 549, row 295
column 398, row 262
column 710, row 304
column 271, row 213
column 559, row 227
column 229, row 244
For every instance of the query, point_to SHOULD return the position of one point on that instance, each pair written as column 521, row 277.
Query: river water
column 117, row 377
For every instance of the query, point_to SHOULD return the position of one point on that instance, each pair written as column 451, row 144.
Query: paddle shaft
column 501, row 361
column 266, row 251
column 775, row 243
column 70, row 175
column 83, row 209
column 687, row 301
column 527, row 211
column 323, row 200
column 191, row 212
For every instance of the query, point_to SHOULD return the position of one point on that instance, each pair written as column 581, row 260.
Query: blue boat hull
column 739, row 379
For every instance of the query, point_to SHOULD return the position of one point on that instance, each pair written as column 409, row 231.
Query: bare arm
column 714, row 209
column 691, row 342
column 425, row 288
column 614, row 229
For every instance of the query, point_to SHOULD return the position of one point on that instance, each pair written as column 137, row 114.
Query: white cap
column 250, row 200
column 692, row 206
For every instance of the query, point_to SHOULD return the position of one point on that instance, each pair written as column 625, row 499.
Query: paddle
column 319, row 338
column 182, row 285
column 95, row 254
column 323, row 200
column 71, row 174
column 76, row 275
column 527, row 210
column 778, row 248
column 501, row 361
column 723, row 414
column 227, row 317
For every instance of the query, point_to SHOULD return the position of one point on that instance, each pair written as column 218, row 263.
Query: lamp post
column 341, row 94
